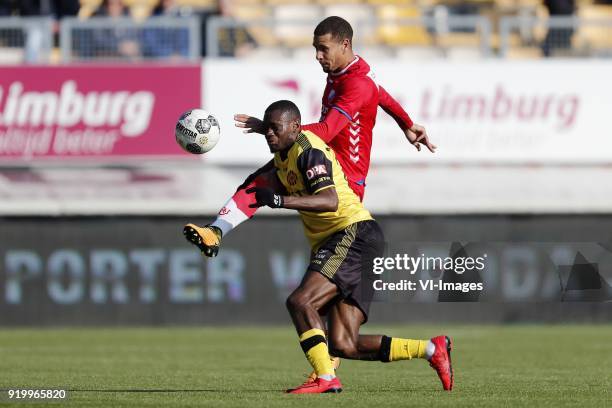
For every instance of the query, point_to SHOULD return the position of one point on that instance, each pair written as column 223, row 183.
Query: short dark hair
column 338, row 27
column 285, row 106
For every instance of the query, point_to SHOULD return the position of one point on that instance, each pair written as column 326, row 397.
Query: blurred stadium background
column 94, row 191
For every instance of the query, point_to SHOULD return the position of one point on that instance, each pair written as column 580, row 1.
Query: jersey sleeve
column 333, row 123
column 316, row 170
column 351, row 96
column 393, row 109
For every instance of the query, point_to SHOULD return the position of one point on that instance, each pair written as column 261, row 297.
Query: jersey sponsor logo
column 291, row 178
column 317, row 170
column 320, row 180
column 224, row 211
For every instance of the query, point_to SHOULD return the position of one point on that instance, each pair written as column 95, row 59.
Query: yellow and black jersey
column 310, row 167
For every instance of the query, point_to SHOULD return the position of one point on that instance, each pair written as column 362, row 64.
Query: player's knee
column 296, row 302
column 343, row 349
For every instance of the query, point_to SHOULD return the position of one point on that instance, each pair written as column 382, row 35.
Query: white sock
column 327, row 377
column 229, row 217
column 430, row 350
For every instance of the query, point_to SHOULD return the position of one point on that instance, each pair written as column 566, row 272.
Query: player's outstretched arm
column 324, row 200
column 415, row 134
column 329, row 128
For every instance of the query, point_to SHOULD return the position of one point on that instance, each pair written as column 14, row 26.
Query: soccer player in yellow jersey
column 344, row 239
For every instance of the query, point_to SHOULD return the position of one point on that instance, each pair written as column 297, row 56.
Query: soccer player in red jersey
column 350, row 103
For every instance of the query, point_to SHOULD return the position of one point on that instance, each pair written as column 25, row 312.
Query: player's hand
column 417, row 136
column 265, row 196
column 250, row 124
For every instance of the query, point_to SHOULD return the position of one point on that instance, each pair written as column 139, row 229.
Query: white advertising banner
column 548, row 112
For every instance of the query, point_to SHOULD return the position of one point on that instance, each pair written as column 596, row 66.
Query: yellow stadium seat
column 392, row 32
column 458, row 40
column 140, row 9
column 88, row 7
column 592, row 35
column 524, row 53
column 259, row 3
column 294, row 23
column 361, row 18
column 197, row 4
column 247, row 12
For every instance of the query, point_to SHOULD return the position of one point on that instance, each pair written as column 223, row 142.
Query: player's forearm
column 394, row 109
column 315, row 203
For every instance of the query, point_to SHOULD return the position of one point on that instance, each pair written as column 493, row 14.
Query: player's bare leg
column 335, row 360
column 314, row 293
column 345, row 319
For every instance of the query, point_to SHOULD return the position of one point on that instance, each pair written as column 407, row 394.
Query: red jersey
column 348, row 114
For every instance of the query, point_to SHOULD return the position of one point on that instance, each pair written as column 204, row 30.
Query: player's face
column 330, row 52
column 281, row 130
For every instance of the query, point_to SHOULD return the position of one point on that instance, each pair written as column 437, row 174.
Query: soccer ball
column 197, row 131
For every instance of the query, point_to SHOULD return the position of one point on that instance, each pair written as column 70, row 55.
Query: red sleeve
column 394, row 109
column 333, row 123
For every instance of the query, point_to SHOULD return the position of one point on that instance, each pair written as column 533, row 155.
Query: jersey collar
column 345, row 68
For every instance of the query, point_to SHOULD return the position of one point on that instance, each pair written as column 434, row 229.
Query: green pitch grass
column 511, row 366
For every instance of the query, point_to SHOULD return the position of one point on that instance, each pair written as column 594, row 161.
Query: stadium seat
column 524, row 53
column 294, row 23
column 197, row 4
column 249, row 12
column 263, row 34
column 88, row 7
column 396, row 33
column 591, row 36
column 458, row 40
column 358, row 15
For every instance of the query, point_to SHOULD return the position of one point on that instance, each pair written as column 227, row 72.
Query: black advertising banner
column 140, row 270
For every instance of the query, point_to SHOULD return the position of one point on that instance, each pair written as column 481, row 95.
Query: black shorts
column 346, row 259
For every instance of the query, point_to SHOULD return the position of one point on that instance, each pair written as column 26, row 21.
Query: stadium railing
column 123, row 39
column 449, row 36
column 26, row 40
column 556, row 36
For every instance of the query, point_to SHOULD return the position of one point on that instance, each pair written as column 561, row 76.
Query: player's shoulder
column 360, row 82
column 308, row 140
column 311, row 147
